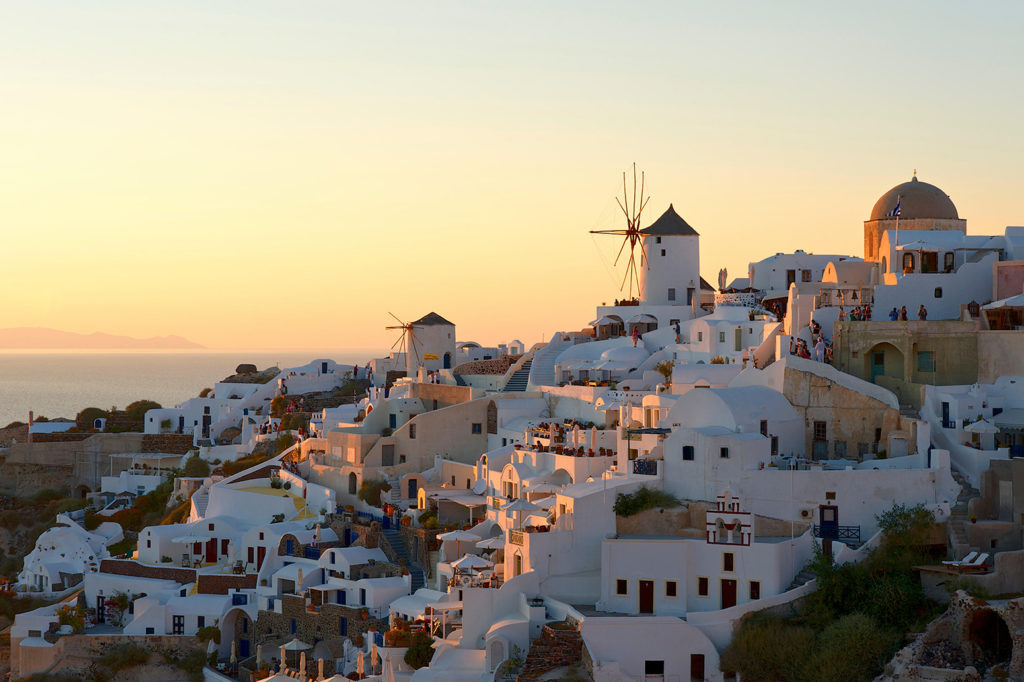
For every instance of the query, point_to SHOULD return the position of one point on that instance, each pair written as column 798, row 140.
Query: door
column 341, row 596
column 207, row 420
column 877, row 364
column 211, row 551
column 739, row 338
column 289, row 546
column 697, row 667
column 728, row 593
column 646, row 596
column 413, row 488
column 945, row 416
column 387, row 455
column 323, row 368
column 243, row 647
column 447, row 360
column 178, row 625
column 261, row 554
column 101, row 609
column 181, row 424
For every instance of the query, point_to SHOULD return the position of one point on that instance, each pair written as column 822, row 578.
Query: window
column 671, row 588
column 830, row 494
column 657, row 240
column 200, row 621
column 820, row 431
column 453, row 480
column 764, row 427
column 908, row 262
column 728, row 562
column 663, row 252
column 412, row 431
column 947, row 263
column 478, row 428
column 724, row 453
column 721, row 337
column 775, row 446
column 293, row 626
column 689, row 295
column 654, row 667
column 702, row 587
column 261, row 535
column 149, row 544
column 621, row 587
column 926, row 361
column 688, row 453
column 700, row 336
column 150, row 631
column 671, row 292
column 790, row 277
column 362, row 596
column 938, row 292
column 805, row 275
column 755, row 589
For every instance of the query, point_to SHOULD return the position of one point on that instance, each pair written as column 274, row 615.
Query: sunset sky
column 282, row 174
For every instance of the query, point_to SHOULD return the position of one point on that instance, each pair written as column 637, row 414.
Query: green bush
column 196, row 467
column 855, row 647
column 370, row 490
column 420, row 651
column 769, row 648
column 628, row 504
column 137, row 411
column 210, row 632
column 87, row 417
column 123, row 656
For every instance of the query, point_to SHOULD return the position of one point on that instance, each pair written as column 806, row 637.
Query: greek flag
column 895, row 213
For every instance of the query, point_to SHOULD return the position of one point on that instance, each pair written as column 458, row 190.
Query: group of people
column 901, row 314
column 822, row 348
column 859, row 314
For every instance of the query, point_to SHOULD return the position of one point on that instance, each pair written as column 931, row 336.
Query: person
column 894, row 315
column 802, row 350
column 842, row 314
column 922, row 313
column 828, row 354
column 903, row 313
column 792, row 350
column 675, row 327
column 867, row 312
column 635, row 334
column 819, row 349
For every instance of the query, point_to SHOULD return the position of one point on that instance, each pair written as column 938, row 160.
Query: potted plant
column 364, row 613
column 974, row 518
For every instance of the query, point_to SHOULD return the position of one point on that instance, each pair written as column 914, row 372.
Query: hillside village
column 828, row 449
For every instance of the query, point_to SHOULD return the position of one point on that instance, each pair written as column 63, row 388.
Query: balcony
column 516, row 537
column 848, row 534
column 645, row 467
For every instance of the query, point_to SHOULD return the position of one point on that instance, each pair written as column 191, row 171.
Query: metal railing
column 645, row 467
column 848, row 533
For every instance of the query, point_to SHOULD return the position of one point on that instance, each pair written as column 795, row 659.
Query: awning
column 1012, row 302
column 981, row 426
column 1010, row 419
column 605, row 320
column 642, row 318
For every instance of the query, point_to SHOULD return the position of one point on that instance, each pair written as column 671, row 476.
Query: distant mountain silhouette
column 42, row 337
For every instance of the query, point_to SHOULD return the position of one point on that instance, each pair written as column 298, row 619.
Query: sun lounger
column 977, row 564
column 962, row 562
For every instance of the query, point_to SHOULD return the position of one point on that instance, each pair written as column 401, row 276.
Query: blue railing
column 645, row 467
column 311, row 552
column 845, row 533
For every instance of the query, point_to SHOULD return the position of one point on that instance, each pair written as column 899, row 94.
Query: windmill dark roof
column 431, row 318
column 705, row 285
column 670, row 222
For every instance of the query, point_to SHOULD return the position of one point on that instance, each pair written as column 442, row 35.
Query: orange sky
column 249, row 176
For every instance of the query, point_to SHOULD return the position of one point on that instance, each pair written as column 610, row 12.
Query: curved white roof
column 731, row 408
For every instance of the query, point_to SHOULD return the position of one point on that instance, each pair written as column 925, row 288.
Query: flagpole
column 899, row 200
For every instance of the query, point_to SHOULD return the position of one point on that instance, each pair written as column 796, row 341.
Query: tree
column 87, row 417
column 370, row 490
column 420, row 651
column 117, row 606
column 196, row 467
column 664, row 368
column 137, row 410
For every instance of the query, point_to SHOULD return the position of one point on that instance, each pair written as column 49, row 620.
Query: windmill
column 631, row 233
column 406, row 344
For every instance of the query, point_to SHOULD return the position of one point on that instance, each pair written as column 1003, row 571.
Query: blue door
column 289, row 544
column 877, row 364
column 243, row 647
column 341, row 596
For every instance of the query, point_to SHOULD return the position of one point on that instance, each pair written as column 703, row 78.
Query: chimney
column 30, row 417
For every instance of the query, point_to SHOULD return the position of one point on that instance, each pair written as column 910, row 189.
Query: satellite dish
column 479, row 486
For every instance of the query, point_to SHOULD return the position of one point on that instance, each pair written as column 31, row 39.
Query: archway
column 447, row 360
column 237, row 627
column 990, row 637
column 884, row 359
column 496, row 653
column 353, row 484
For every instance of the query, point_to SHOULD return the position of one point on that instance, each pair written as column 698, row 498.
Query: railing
column 311, row 552
column 850, row 533
column 496, row 502
column 645, row 467
column 516, row 537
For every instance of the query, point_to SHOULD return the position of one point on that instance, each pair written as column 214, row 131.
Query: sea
column 61, row 384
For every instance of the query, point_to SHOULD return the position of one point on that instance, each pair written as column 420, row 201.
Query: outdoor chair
column 966, row 560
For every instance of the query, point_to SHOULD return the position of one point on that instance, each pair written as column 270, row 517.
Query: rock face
column 974, row 637
column 246, row 368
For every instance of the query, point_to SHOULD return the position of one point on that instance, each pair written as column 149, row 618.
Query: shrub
column 123, row 656
column 232, row 468
column 195, row 466
column 282, row 443
column 73, row 615
column 165, row 423
column 854, row 647
column 205, row 392
column 370, row 490
column 665, row 368
column 769, row 648
column 278, row 405
column 628, row 504
column 137, row 411
column 209, row 632
column 420, row 651
column 87, row 417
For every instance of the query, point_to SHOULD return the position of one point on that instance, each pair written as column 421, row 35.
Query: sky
column 278, row 175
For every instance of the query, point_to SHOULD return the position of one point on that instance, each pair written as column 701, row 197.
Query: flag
column 895, row 213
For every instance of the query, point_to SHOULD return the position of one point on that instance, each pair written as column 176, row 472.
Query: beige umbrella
column 390, row 677
column 576, row 435
column 284, row 661
column 259, row 656
column 374, row 657
column 360, row 663
column 593, row 438
column 318, row 535
column 302, row 663
column 319, row 668
column 234, row 653
column 298, row 579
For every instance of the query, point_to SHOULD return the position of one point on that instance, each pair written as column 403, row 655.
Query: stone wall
column 72, row 655
column 559, row 644
column 169, row 443
column 135, row 569
column 222, row 584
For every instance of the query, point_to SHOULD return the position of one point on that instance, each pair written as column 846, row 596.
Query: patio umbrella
column 471, row 562
column 296, row 645
column 545, row 502
column 259, row 655
column 319, row 668
column 360, row 663
column 390, row 676
column 302, row 663
column 374, row 657
column 459, row 536
column 576, row 436
column 318, row 535
column 234, row 653
column 492, row 543
column 298, row 578
column 284, row 657
column 592, row 440
column 520, row 506
column 981, row 426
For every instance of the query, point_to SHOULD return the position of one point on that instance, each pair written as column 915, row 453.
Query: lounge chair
column 965, row 561
column 977, row 564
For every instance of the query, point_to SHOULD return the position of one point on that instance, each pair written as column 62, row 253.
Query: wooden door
column 728, row 593
column 211, row 551
column 101, row 609
column 261, row 554
column 697, row 667
column 646, row 596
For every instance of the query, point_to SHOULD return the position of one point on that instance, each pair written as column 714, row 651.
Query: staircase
column 394, row 538
column 520, row 378
column 200, row 500
column 553, row 649
column 958, row 517
column 801, row 578
column 542, row 372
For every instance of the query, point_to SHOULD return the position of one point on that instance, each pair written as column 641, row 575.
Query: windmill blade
column 620, row 251
column 412, row 344
column 398, row 341
column 396, row 317
column 624, row 211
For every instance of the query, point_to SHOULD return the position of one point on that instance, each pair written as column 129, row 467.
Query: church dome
column 917, row 200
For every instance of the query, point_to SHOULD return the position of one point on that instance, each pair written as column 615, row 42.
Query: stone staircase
column 200, row 500
column 554, row 648
column 956, row 527
column 801, row 578
column 520, row 378
column 394, row 538
column 542, row 372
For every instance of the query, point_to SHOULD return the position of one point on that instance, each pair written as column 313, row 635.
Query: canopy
column 1012, row 302
column 1010, row 419
column 491, row 543
column 604, row 320
column 520, row 505
column 459, row 536
column 642, row 318
column 471, row 562
column 545, row 503
column 297, row 645
column 981, row 426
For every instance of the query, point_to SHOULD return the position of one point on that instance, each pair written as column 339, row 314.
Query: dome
column 917, row 200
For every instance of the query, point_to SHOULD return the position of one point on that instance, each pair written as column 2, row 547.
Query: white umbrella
column 296, row 645
column 520, row 506
column 576, row 436
column 592, row 444
column 981, row 426
column 492, row 543
column 544, row 503
column 234, row 653
column 471, row 562
column 302, row 663
column 458, row 536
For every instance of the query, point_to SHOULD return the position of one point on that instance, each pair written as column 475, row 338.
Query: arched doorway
column 413, row 488
column 884, row 359
column 496, row 653
column 353, row 484
column 989, row 637
column 447, row 360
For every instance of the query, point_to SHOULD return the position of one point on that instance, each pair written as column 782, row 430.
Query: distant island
column 24, row 338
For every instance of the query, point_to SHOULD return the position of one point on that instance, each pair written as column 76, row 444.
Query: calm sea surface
column 61, row 384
